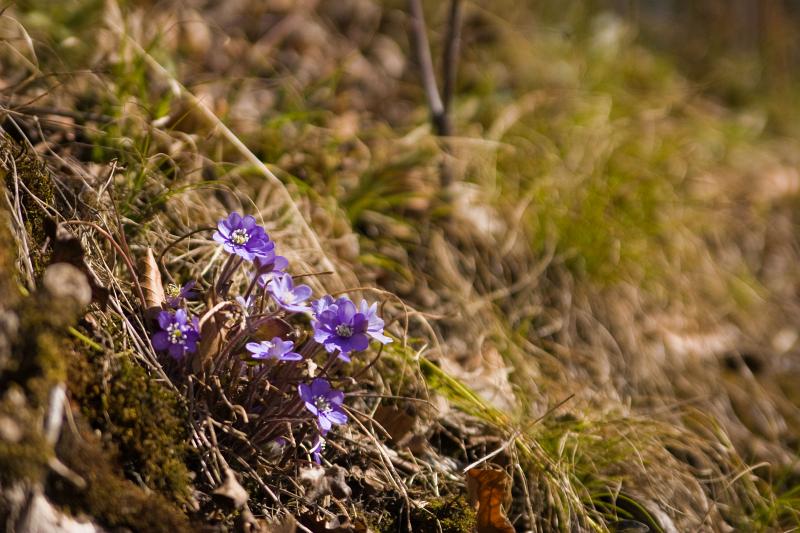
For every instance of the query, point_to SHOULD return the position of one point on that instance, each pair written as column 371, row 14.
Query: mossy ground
column 143, row 418
column 139, row 416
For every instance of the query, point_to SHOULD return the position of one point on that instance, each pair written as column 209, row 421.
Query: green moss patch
column 143, row 418
column 108, row 497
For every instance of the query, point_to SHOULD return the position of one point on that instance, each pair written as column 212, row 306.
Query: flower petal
column 164, row 319
column 291, row 356
column 176, row 351
column 249, row 222
column 324, row 423
column 346, row 311
column 161, row 340
column 336, row 397
column 337, row 416
column 254, row 347
column 320, row 387
column 302, row 292
column 305, row 393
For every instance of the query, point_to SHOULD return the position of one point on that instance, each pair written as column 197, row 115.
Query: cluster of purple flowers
column 339, row 326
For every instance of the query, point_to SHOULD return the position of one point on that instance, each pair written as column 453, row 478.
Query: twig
column 450, row 59
column 77, row 115
column 419, row 41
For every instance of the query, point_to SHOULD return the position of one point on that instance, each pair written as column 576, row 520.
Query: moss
column 35, row 367
column 448, row 515
column 24, row 452
column 111, row 499
column 38, row 362
column 39, row 184
column 144, row 419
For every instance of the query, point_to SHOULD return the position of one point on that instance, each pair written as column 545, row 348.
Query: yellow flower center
column 240, row 237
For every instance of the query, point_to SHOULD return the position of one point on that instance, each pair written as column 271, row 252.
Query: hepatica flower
column 375, row 323
column 324, row 403
column 287, row 295
column 177, row 294
column 274, row 349
column 179, row 333
column 341, row 327
column 243, row 237
column 269, row 265
column 318, row 306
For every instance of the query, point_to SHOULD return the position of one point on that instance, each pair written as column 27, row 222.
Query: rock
column 66, row 283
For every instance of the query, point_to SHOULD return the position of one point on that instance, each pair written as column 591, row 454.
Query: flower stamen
column 322, row 404
column 240, row 236
column 173, row 290
column 344, row 330
column 176, row 334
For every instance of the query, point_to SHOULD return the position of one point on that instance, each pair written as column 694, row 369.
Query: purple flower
column 179, row 334
column 375, row 327
column 274, row 349
column 323, row 402
column 269, row 265
column 243, row 237
column 317, row 449
column 341, row 327
column 318, row 306
column 288, row 296
column 176, row 294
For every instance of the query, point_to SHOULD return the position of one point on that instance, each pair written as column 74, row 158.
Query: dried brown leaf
column 232, row 490
column 286, row 524
column 396, row 422
column 490, row 493
column 212, row 335
column 274, row 328
column 152, row 286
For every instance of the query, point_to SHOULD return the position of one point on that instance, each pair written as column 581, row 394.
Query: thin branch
column 450, row 58
column 419, row 41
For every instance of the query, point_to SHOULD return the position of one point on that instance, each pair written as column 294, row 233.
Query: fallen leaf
column 232, row 490
column 212, row 333
column 396, row 422
column 286, row 524
column 490, row 493
column 152, row 286
column 322, row 482
column 274, row 327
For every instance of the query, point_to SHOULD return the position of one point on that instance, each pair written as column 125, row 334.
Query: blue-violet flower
column 317, row 449
column 177, row 294
column 341, row 327
column 275, row 349
column 287, row 295
column 179, row 333
column 243, row 237
column 323, row 402
column 318, row 306
column 375, row 327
